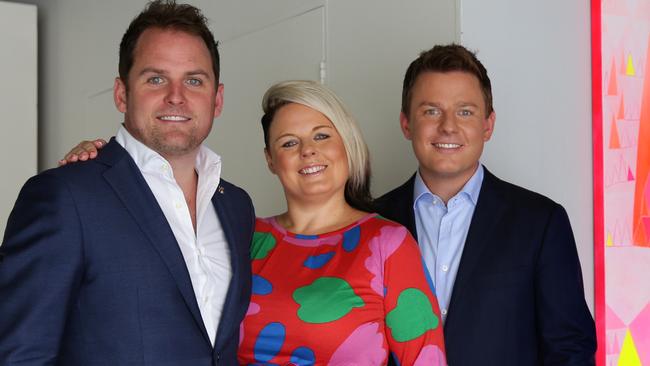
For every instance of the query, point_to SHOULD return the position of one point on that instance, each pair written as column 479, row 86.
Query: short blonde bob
column 320, row 98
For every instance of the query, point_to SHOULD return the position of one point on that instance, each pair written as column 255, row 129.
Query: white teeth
column 447, row 146
column 173, row 118
column 312, row 169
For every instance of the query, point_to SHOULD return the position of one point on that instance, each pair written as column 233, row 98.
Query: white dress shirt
column 206, row 252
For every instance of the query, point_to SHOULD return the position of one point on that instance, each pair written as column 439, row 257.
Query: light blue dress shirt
column 442, row 231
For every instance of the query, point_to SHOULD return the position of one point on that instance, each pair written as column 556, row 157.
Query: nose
column 175, row 94
column 447, row 124
column 307, row 150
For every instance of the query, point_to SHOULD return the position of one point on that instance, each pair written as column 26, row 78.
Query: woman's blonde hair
column 320, row 98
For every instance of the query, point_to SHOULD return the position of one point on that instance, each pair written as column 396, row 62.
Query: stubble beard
column 175, row 142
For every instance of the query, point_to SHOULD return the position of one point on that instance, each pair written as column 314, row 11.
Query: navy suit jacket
column 518, row 297
column 92, row 273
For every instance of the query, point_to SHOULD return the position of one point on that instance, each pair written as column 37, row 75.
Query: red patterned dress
column 349, row 297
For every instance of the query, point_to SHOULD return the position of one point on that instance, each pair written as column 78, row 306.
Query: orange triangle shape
column 639, row 234
column 612, row 87
column 641, row 189
column 614, row 141
column 621, row 108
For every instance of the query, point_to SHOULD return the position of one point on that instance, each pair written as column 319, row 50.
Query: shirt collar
column 471, row 189
column 147, row 160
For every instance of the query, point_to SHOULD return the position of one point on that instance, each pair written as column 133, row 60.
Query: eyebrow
column 459, row 104
column 312, row 130
column 153, row 70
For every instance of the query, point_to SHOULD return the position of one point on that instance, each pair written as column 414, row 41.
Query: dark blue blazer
column 518, row 297
column 92, row 273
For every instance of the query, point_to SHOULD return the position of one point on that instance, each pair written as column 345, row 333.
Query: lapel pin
column 220, row 189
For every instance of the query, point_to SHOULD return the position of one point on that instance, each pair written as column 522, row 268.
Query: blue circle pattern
column 269, row 342
column 351, row 239
column 261, row 286
column 318, row 261
column 303, row 356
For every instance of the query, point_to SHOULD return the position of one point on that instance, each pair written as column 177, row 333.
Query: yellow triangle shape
column 610, row 241
column 629, row 71
column 629, row 355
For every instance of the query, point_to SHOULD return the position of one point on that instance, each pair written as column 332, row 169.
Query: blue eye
column 156, row 80
column 432, row 112
column 289, row 143
column 465, row 113
column 321, row 136
column 195, row 82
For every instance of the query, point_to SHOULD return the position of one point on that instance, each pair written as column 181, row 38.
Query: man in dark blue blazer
column 503, row 259
column 141, row 256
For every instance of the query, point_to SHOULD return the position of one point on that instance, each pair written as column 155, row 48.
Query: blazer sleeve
column 40, row 273
column 566, row 328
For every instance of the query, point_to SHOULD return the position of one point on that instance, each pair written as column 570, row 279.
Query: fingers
column 83, row 151
column 99, row 143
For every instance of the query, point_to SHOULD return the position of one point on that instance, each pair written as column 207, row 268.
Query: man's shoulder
column 233, row 192
column 515, row 195
column 405, row 190
column 82, row 176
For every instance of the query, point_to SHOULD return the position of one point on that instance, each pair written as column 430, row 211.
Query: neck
column 187, row 179
column 446, row 187
column 183, row 166
column 312, row 218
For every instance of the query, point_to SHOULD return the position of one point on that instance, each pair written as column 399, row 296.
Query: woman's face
column 307, row 154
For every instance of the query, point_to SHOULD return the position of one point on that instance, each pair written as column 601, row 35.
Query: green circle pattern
column 262, row 245
column 412, row 317
column 325, row 300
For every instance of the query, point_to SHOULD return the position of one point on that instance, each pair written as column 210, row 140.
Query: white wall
column 18, row 139
column 537, row 54
column 368, row 45
column 538, row 57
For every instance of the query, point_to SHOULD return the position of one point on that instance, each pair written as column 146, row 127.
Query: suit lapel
column 406, row 206
column 129, row 185
column 488, row 212
column 232, row 228
column 397, row 205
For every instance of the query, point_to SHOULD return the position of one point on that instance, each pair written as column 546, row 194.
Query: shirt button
column 444, row 268
column 443, row 311
column 178, row 205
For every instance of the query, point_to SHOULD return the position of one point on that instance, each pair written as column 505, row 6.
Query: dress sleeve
column 413, row 321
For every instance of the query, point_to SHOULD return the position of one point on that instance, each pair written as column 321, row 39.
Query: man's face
column 447, row 125
column 172, row 97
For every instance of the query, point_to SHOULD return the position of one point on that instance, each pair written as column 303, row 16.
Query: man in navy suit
column 503, row 259
column 139, row 257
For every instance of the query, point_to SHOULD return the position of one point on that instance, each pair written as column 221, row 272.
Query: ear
column 404, row 125
column 488, row 126
column 218, row 101
column 119, row 95
column 269, row 160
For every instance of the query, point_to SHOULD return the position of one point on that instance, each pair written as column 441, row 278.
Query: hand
column 83, row 151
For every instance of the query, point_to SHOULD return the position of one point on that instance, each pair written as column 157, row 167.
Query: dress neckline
column 272, row 220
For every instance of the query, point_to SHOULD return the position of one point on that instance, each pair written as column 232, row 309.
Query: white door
column 18, row 73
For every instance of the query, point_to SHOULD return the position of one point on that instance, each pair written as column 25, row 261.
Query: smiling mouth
column 173, row 118
column 447, row 145
column 312, row 170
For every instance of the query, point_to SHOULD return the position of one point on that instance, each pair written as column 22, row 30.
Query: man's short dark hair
column 166, row 14
column 446, row 58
